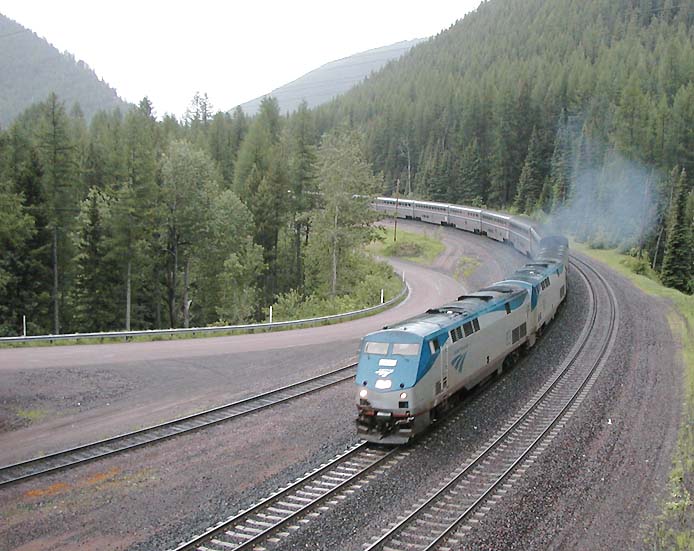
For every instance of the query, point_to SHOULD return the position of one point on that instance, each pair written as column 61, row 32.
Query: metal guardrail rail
column 218, row 329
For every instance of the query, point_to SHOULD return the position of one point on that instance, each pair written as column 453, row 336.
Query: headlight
column 403, row 395
column 363, row 393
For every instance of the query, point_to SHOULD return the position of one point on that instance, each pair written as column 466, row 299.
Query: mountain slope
column 332, row 79
column 30, row 68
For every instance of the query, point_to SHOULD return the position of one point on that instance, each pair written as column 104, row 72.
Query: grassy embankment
column 421, row 248
column 674, row 529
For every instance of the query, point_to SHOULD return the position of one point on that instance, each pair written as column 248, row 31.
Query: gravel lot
column 592, row 489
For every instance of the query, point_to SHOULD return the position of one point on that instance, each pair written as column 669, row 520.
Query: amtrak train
column 409, row 372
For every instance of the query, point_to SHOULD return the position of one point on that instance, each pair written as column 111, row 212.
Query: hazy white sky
column 234, row 51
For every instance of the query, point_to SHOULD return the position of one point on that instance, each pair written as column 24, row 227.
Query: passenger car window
column 406, row 349
column 380, row 348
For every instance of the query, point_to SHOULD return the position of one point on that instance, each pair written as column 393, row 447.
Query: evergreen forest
column 578, row 113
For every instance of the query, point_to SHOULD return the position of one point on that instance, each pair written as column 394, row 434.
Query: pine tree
column 303, row 184
column 29, row 290
column 677, row 263
column 16, row 229
column 472, row 188
column 530, row 182
column 60, row 191
column 136, row 200
column 560, row 169
column 95, row 304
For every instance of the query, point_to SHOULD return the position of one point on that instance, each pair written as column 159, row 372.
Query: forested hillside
column 535, row 105
column 332, row 79
column 30, row 68
column 579, row 113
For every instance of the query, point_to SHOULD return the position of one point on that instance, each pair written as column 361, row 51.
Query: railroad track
column 96, row 450
column 283, row 512
column 441, row 520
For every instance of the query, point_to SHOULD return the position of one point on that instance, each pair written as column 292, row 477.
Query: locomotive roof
column 459, row 311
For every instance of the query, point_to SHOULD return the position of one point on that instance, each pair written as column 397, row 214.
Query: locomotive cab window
column 406, row 349
column 467, row 327
column 379, row 348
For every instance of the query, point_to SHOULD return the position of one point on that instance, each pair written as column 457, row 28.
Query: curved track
column 443, row 518
column 96, row 450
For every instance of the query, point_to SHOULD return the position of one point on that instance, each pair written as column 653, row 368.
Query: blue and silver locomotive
column 409, row 372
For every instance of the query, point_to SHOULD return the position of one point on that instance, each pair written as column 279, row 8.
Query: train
column 409, row 373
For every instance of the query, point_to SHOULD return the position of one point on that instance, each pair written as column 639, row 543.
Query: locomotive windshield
column 406, row 349
column 380, row 348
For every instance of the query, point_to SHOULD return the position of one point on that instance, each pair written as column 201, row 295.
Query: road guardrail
column 216, row 329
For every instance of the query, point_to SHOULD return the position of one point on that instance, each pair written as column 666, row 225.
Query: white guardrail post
column 220, row 329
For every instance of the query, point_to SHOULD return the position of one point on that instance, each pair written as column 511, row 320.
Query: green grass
column 31, row 415
column 465, row 267
column 414, row 247
column 674, row 529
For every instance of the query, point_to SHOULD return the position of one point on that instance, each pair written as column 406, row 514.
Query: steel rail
column 443, row 531
column 261, row 521
column 128, row 441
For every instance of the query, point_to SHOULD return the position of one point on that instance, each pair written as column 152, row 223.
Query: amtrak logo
column 384, row 372
column 458, row 362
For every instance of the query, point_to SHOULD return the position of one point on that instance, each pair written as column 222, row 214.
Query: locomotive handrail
column 217, row 329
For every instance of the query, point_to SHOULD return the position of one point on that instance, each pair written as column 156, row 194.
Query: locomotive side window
column 476, row 324
column 467, row 327
column 380, row 348
column 406, row 349
column 508, row 308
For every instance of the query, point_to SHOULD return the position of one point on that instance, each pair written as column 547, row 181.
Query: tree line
column 130, row 222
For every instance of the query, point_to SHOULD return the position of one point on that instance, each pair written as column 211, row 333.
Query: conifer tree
column 303, row 184
column 560, row 168
column 530, row 182
column 95, row 302
column 136, row 199
column 60, row 191
column 29, row 260
column 677, row 263
column 16, row 230
column 472, row 189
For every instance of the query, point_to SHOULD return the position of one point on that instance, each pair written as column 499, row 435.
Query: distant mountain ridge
column 332, row 79
column 31, row 68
